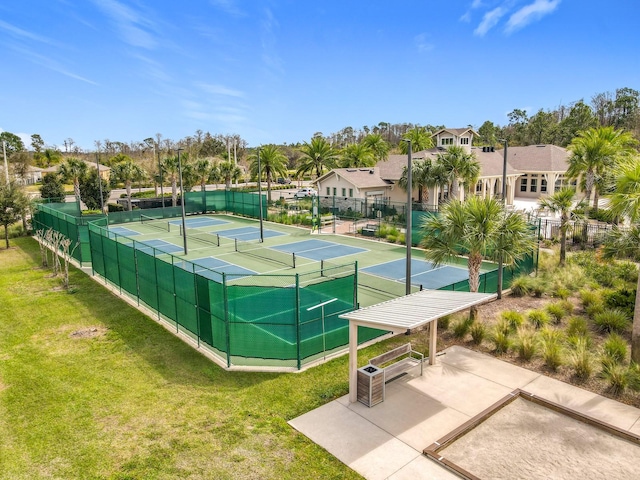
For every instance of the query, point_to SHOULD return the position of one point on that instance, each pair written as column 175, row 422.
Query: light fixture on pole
column 321, row 306
column 504, row 204
column 260, row 198
column 407, row 235
column 182, row 202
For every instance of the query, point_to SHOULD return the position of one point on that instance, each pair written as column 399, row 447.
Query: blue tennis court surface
column 211, row 263
column 198, row 222
column 248, row 233
column 160, row 245
column 319, row 249
column 122, row 231
column 422, row 272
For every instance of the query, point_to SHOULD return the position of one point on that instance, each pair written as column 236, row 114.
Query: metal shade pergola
column 407, row 313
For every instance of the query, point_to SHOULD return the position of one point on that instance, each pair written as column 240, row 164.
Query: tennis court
column 152, row 247
column 199, row 222
column 213, row 268
column 423, row 273
column 124, row 231
column 249, row 233
column 319, row 249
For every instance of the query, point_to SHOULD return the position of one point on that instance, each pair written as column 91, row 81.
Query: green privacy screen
column 248, row 319
column 253, row 320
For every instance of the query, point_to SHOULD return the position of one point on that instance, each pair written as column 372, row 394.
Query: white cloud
column 220, row 90
column 133, row 26
column 489, row 20
column 530, row 13
column 229, row 6
column 422, row 43
column 51, row 64
column 24, row 34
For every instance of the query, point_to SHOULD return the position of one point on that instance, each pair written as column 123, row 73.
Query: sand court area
column 387, row 441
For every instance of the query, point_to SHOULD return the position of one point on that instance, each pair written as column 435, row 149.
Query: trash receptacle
column 370, row 385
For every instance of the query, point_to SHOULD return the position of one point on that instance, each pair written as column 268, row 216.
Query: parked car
column 304, row 193
column 284, row 181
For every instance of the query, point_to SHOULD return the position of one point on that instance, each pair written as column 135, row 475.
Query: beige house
column 542, row 169
column 532, row 172
column 105, row 172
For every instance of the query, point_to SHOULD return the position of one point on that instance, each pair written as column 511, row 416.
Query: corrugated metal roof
column 415, row 310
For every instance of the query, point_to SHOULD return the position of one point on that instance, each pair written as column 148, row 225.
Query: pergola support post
column 433, row 337
column 353, row 362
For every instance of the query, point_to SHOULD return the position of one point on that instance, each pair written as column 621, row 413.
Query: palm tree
column 479, row 228
column 202, row 172
column 594, row 151
column 50, row 157
column 561, row 202
column 127, row 171
column 378, row 146
column 420, row 140
column 230, row 172
column 459, row 166
column 170, row 170
column 72, row 170
column 625, row 243
column 317, row 155
column 424, row 175
column 273, row 163
column 357, row 155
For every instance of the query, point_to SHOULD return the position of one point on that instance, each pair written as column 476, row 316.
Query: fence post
column 225, row 297
column 297, row 310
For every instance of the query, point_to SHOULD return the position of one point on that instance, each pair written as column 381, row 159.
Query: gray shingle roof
column 359, row 177
column 539, row 158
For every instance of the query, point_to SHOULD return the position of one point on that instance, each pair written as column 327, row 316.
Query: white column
column 433, row 336
column 353, row 361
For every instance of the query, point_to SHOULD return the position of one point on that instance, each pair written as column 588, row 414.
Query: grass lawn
column 91, row 388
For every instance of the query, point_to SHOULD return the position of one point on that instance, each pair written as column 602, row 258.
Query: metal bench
column 410, row 359
column 369, row 230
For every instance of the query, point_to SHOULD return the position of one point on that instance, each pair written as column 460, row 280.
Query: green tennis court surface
column 319, row 249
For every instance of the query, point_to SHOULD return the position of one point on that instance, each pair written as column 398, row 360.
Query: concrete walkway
column 386, row 441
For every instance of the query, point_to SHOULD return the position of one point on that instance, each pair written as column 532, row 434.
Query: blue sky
column 277, row 71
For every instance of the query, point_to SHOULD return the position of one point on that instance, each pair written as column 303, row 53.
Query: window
column 446, row 141
column 479, row 187
column 351, row 192
column 464, row 141
column 344, row 192
column 328, row 191
column 543, row 185
column 335, row 191
column 523, row 183
column 533, row 185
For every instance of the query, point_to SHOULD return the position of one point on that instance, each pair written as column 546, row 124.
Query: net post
column 322, row 267
column 225, row 297
column 293, row 255
column 235, row 241
column 355, row 284
column 297, row 310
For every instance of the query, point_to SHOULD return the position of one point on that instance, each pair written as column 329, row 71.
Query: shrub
column 623, row 299
column 577, row 326
column 478, row 331
column 556, row 311
column 581, row 359
column 503, row 326
column 539, row 287
column 562, row 293
column 614, row 348
column 461, row 328
column 513, row 318
column 594, row 309
column 526, row 345
column 538, row 318
column 611, row 321
column 443, row 323
column 501, row 341
column 616, row 375
column 551, row 347
column 522, row 286
column 566, row 305
column 589, row 297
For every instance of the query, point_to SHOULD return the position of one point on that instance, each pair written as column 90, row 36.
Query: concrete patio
column 387, row 440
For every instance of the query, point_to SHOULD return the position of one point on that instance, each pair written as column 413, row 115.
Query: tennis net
column 204, row 237
column 250, row 248
column 153, row 222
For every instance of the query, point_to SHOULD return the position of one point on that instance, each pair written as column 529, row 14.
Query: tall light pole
column 182, row 202
column 504, row 204
column 260, row 197
column 99, row 182
column 407, row 236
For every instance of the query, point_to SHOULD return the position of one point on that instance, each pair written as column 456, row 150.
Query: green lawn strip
column 129, row 400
